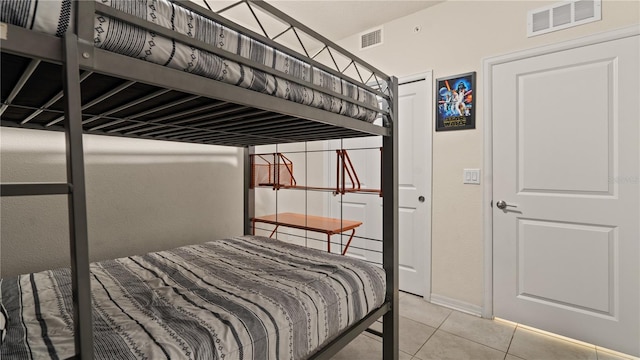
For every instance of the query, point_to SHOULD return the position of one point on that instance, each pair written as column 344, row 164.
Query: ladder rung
column 15, row 189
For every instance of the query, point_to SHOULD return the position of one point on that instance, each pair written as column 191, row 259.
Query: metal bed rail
column 195, row 108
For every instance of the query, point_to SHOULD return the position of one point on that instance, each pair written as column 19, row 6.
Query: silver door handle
column 503, row 205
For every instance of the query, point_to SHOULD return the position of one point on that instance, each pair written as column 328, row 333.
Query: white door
column 414, row 178
column 566, row 159
column 415, row 124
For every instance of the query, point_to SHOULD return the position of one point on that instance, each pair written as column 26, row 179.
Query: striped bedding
column 55, row 17
column 241, row 298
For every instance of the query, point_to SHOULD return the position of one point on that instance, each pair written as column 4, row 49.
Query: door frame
column 487, row 195
column 426, row 76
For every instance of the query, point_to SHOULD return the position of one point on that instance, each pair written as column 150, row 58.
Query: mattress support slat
column 176, row 125
column 200, row 117
column 126, row 106
column 98, row 100
column 189, row 112
column 26, row 75
column 53, row 100
column 151, row 111
column 250, row 123
column 155, row 125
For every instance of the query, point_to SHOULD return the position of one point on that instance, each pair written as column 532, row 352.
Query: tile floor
column 432, row 332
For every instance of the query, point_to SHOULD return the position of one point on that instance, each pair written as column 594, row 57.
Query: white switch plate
column 471, row 176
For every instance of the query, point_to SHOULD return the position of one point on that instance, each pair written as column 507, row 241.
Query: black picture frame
column 456, row 105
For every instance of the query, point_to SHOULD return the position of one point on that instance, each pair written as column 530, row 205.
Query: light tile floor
column 432, row 332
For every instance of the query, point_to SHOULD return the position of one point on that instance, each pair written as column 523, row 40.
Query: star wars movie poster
column 456, row 105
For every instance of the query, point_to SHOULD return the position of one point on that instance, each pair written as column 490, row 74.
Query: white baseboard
column 454, row 304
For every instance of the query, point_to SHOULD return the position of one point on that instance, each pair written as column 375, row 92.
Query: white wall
column 141, row 196
column 455, row 37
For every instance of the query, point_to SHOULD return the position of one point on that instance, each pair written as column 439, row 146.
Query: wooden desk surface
column 309, row 222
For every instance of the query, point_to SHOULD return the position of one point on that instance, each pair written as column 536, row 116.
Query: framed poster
column 456, row 103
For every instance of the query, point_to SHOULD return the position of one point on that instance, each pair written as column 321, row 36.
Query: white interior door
column 414, row 178
column 566, row 159
column 415, row 125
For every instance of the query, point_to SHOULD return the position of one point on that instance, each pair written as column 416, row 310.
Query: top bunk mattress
column 241, row 298
column 56, row 17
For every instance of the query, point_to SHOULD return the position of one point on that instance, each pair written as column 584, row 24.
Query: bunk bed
column 160, row 70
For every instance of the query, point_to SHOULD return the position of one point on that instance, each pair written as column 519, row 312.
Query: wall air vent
column 563, row 15
column 371, row 38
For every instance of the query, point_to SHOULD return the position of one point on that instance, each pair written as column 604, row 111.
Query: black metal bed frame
column 153, row 102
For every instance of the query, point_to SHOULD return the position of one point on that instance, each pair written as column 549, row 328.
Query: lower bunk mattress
column 247, row 297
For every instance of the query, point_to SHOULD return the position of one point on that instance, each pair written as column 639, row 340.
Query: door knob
column 421, row 198
column 501, row 204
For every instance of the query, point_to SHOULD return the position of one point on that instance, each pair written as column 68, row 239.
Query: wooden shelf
column 325, row 225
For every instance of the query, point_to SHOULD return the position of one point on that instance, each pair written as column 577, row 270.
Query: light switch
column 471, row 176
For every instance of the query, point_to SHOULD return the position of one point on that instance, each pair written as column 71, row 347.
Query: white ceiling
column 337, row 19
column 334, row 19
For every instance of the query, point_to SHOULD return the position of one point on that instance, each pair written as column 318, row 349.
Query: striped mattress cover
column 55, row 17
column 247, row 297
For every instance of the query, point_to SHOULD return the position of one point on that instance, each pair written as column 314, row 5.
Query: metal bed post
column 84, row 28
column 79, row 244
column 390, row 229
column 249, row 192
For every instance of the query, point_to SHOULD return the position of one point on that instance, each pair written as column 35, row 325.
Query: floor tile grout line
column 434, row 331
column 445, row 319
column 473, row 341
column 510, row 341
column 463, row 337
column 405, row 353
column 451, row 311
column 439, row 328
column 429, row 337
column 425, row 343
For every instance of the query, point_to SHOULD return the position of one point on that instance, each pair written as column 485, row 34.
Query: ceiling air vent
column 563, row 15
column 371, row 38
